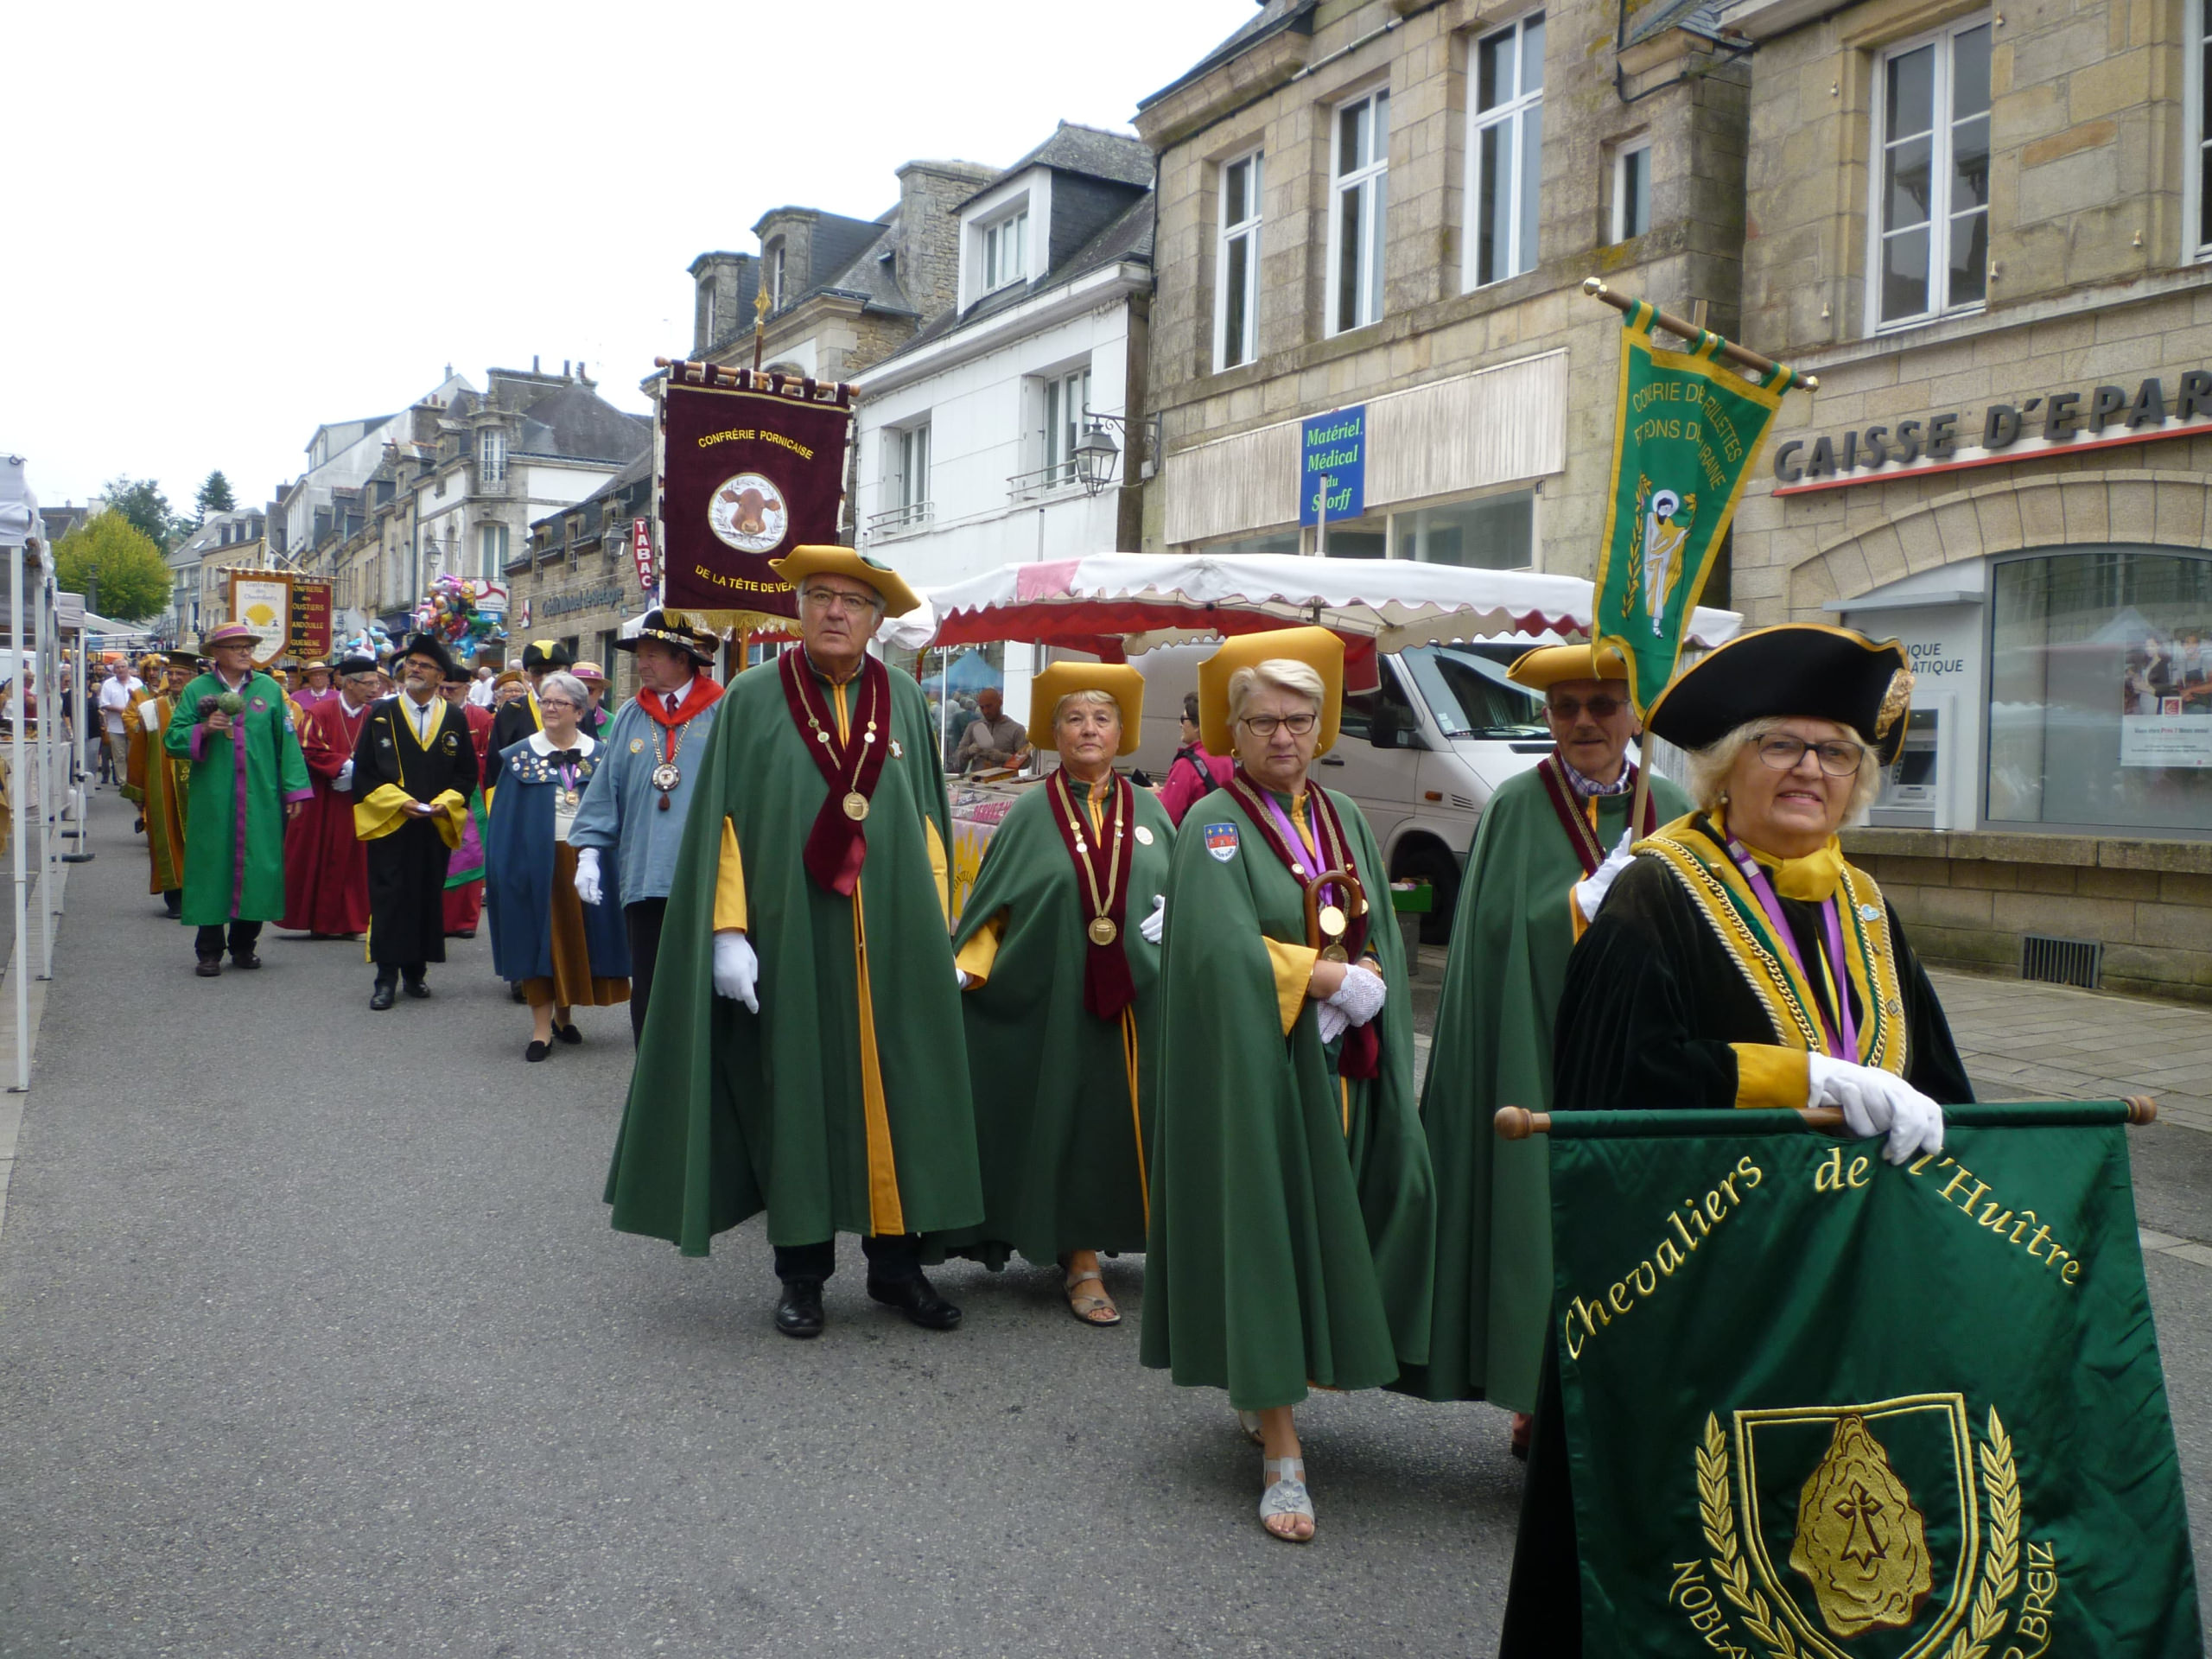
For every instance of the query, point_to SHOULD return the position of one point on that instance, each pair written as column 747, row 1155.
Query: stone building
column 1981, row 226
column 199, row 567
column 575, row 578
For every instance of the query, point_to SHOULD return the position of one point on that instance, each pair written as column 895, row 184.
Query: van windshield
column 1466, row 689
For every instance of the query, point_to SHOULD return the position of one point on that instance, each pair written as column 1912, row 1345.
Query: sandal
column 1083, row 1307
column 1286, row 1495
column 1249, row 1422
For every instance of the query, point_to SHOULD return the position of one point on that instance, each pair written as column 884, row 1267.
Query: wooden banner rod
column 1518, row 1122
column 714, row 374
column 1675, row 325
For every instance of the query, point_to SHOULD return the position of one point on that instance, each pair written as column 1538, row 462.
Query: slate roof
column 578, row 424
column 1275, row 16
column 1657, row 16
column 1091, row 151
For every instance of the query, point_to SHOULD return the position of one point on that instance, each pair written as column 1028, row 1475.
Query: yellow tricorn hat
column 1119, row 681
column 1319, row 649
column 801, row 562
column 1546, row 665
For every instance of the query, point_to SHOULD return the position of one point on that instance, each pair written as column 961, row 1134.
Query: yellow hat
column 1546, row 665
column 1119, row 681
column 1319, row 649
column 801, row 562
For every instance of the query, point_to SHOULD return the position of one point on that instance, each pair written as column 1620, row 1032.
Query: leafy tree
column 215, row 496
column 142, row 504
column 117, row 566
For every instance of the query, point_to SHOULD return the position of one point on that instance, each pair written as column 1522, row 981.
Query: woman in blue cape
column 563, row 952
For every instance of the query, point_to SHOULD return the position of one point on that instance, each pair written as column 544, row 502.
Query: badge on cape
column 636, row 746
column 258, row 702
column 1221, row 840
column 1144, row 836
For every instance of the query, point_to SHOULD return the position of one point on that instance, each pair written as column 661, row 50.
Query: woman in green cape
column 1293, row 1211
column 1058, row 951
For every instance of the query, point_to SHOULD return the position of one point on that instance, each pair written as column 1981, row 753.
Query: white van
column 1422, row 754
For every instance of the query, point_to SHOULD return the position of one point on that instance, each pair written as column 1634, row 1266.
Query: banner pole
column 1674, row 325
column 1519, row 1123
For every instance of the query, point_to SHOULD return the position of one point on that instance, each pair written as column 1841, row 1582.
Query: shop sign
column 2063, row 422
column 587, row 599
column 641, row 549
column 1333, row 447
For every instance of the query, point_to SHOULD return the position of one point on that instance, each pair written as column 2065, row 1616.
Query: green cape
column 1280, row 1249
column 732, row 1112
column 1492, row 1048
column 1063, row 1163
column 276, row 771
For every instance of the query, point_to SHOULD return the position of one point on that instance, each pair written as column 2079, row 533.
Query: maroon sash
column 1361, row 1055
column 836, row 845
column 1581, row 834
column 1101, row 889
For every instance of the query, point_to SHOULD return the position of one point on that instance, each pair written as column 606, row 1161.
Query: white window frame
column 776, row 277
column 1372, row 182
column 1003, row 250
column 1941, row 120
column 491, row 550
column 1517, row 112
column 2196, row 142
column 1622, row 156
column 709, row 286
column 1067, row 395
column 492, row 455
column 1245, row 231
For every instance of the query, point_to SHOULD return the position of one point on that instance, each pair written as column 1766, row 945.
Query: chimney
column 533, row 362
column 564, row 368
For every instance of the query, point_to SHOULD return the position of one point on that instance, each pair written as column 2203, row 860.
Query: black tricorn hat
column 545, row 654
column 426, row 644
column 1806, row 670
column 655, row 624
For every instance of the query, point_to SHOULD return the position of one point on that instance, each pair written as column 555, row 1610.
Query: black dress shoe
column 799, row 1314
column 537, row 1050
column 245, row 959
column 915, row 1298
column 416, row 987
column 568, row 1033
column 384, row 997
column 515, row 993
column 209, row 968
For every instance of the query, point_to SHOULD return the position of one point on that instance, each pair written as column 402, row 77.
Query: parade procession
column 1507, row 810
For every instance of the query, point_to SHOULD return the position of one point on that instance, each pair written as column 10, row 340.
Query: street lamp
column 1095, row 456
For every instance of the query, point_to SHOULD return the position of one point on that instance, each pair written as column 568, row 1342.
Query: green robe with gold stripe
column 1293, row 1210
column 842, row 1105
column 1063, row 1100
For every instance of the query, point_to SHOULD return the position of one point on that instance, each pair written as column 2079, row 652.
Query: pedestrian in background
column 115, row 712
column 248, row 777
column 1193, row 774
column 414, row 770
column 991, row 740
column 640, row 798
column 564, row 954
column 481, row 687
column 464, row 900
column 593, row 678
column 517, row 719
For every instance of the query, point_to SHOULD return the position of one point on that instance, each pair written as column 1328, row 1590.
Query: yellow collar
column 1812, row 878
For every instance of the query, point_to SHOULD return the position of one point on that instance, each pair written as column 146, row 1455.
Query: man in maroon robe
column 326, row 866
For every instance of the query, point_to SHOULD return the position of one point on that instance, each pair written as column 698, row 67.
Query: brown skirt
column 571, row 984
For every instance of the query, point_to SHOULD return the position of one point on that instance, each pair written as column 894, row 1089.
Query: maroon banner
column 748, row 471
column 310, row 618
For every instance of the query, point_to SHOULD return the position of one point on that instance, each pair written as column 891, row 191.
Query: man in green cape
column 1538, row 871
column 803, row 1054
column 234, row 820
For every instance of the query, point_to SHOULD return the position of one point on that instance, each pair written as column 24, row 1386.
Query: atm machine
column 1916, row 795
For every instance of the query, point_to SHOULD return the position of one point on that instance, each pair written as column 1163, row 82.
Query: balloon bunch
column 450, row 611
column 371, row 641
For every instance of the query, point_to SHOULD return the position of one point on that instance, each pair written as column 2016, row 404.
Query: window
column 2196, row 197
column 707, row 312
column 492, row 455
column 776, row 277
column 1497, row 532
column 1506, row 150
column 1360, row 184
column 906, row 480
column 1006, row 250
column 491, row 551
column 1236, row 303
column 1633, row 189
column 1931, row 212
column 1066, row 395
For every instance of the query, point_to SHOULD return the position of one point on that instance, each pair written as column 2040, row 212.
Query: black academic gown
column 1653, row 1000
column 407, row 867
column 514, row 721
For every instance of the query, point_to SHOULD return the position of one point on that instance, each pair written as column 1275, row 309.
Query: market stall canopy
column 1114, row 606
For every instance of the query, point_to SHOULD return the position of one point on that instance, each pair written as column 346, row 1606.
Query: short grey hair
column 568, row 685
column 1710, row 766
column 1281, row 673
column 1089, row 694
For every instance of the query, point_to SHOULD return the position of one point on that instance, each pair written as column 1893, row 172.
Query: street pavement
column 314, row 1340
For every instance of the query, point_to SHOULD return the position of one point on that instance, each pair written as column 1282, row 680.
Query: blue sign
column 1333, row 447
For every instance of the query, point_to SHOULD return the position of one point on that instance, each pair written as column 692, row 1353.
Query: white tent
column 19, row 537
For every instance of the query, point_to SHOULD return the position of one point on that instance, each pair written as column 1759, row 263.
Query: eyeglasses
column 555, row 702
column 1839, row 758
column 1600, row 707
column 833, row 599
column 1264, row 725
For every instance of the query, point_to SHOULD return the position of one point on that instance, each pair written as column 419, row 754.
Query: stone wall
column 930, row 195
column 1965, row 899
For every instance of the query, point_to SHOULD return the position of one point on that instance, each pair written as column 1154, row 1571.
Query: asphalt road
column 313, row 1339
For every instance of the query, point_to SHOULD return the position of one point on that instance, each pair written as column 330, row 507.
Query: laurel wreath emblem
column 2000, row 1561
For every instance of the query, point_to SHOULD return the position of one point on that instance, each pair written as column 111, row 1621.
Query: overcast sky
column 248, row 221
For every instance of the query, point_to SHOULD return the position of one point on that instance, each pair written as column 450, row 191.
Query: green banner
column 1820, row 1405
column 1688, row 433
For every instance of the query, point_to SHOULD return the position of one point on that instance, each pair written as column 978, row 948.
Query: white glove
column 1874, row 1102
column 1356, row 1002
column 344, row 780
column 960, row 974
column 737, row 971
column 588, row 874
column 1155, row 923
column 1591, row 893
